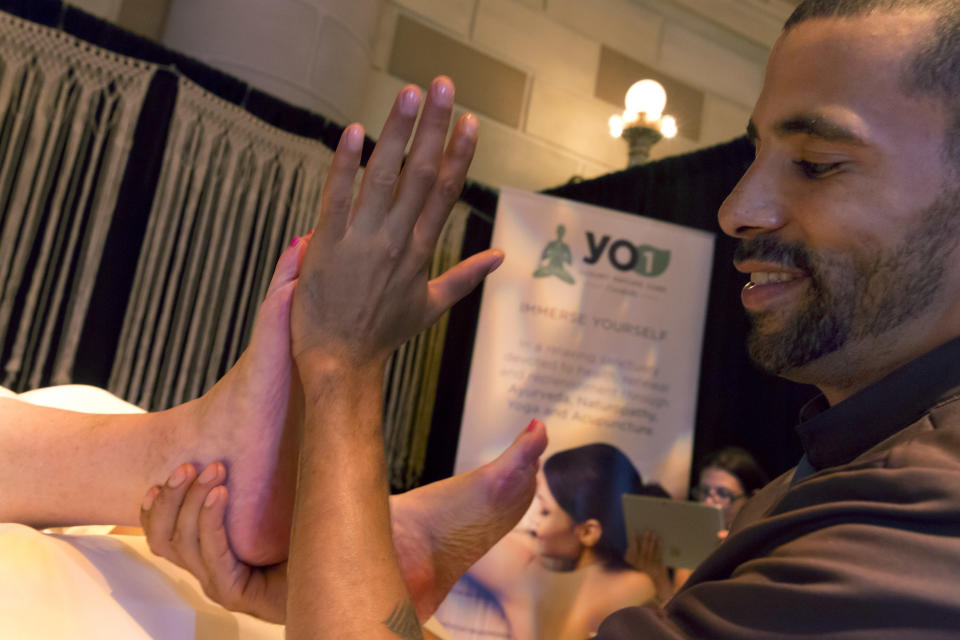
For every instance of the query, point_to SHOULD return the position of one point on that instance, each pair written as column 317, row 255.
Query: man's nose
column 753, row 207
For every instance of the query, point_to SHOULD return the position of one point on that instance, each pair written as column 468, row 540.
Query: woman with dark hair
column 563, row 571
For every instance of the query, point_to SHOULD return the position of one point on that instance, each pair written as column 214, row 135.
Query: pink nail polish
column 295, row 240
column 531, row 426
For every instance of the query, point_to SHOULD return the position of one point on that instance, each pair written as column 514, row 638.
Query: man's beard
column 849, row 296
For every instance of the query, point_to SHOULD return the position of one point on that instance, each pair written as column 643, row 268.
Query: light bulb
column 668, row 126
column 616, row 126
column 648, row 97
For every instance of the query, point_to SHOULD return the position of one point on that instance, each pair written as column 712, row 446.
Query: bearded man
column 849, row 219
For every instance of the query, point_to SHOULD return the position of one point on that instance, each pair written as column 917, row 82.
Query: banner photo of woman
column 593, row 324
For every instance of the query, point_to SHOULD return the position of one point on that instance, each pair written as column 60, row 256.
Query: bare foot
column 249, row 420
column 441, row 529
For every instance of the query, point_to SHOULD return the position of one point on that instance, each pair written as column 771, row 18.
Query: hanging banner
column 594, row 324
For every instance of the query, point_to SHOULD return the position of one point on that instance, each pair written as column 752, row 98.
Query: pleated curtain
column 68, row 113
column 232, row 192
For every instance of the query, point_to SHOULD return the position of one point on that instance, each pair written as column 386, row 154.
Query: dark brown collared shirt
column 862, row 540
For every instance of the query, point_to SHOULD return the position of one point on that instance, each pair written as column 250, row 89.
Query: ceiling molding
column 747, row 27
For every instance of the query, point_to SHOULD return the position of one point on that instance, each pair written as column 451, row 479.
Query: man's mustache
column 769, row 249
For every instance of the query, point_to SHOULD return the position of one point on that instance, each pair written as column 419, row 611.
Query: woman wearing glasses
column 727, row 478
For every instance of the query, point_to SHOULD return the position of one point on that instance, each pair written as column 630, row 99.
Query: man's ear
column 589, row 532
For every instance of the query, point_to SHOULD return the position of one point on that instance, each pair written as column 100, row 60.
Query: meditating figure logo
column 554, row 256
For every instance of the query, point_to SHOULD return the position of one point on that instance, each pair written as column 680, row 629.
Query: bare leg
column 61, row 467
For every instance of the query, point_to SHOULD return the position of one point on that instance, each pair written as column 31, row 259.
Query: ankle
column 173, row 438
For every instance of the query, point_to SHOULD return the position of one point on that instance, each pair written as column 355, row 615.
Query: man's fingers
column 383, row 169
column 159, row 516
column 226, row 572
column 186, row 536
column 147, row 519
column 422, row 167
column 449, row 184
column 445, row 290
column 337, row 199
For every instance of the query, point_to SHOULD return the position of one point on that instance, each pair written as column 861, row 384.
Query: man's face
column 848, row 216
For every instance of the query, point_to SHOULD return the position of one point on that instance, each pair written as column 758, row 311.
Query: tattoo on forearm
column 403, row 622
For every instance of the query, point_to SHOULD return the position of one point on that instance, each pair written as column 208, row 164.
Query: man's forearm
column 344, row 574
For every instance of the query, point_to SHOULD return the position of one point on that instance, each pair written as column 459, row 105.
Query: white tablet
column 687, row 530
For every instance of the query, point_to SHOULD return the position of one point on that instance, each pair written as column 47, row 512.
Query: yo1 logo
column 625, row 256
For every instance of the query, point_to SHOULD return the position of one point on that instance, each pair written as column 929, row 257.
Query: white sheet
column 78, row 583
column 95, row 587
column 76, row 397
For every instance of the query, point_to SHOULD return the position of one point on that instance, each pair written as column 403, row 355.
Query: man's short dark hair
column 934, row 68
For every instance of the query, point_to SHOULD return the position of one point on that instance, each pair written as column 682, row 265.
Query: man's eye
column 816, row 169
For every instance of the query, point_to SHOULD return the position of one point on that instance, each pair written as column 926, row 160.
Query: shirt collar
column 836, row 435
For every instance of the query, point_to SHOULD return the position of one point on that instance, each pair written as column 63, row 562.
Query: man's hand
column 363, row 286
column 184, row 523
column 439, row 530
column 363, row 290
